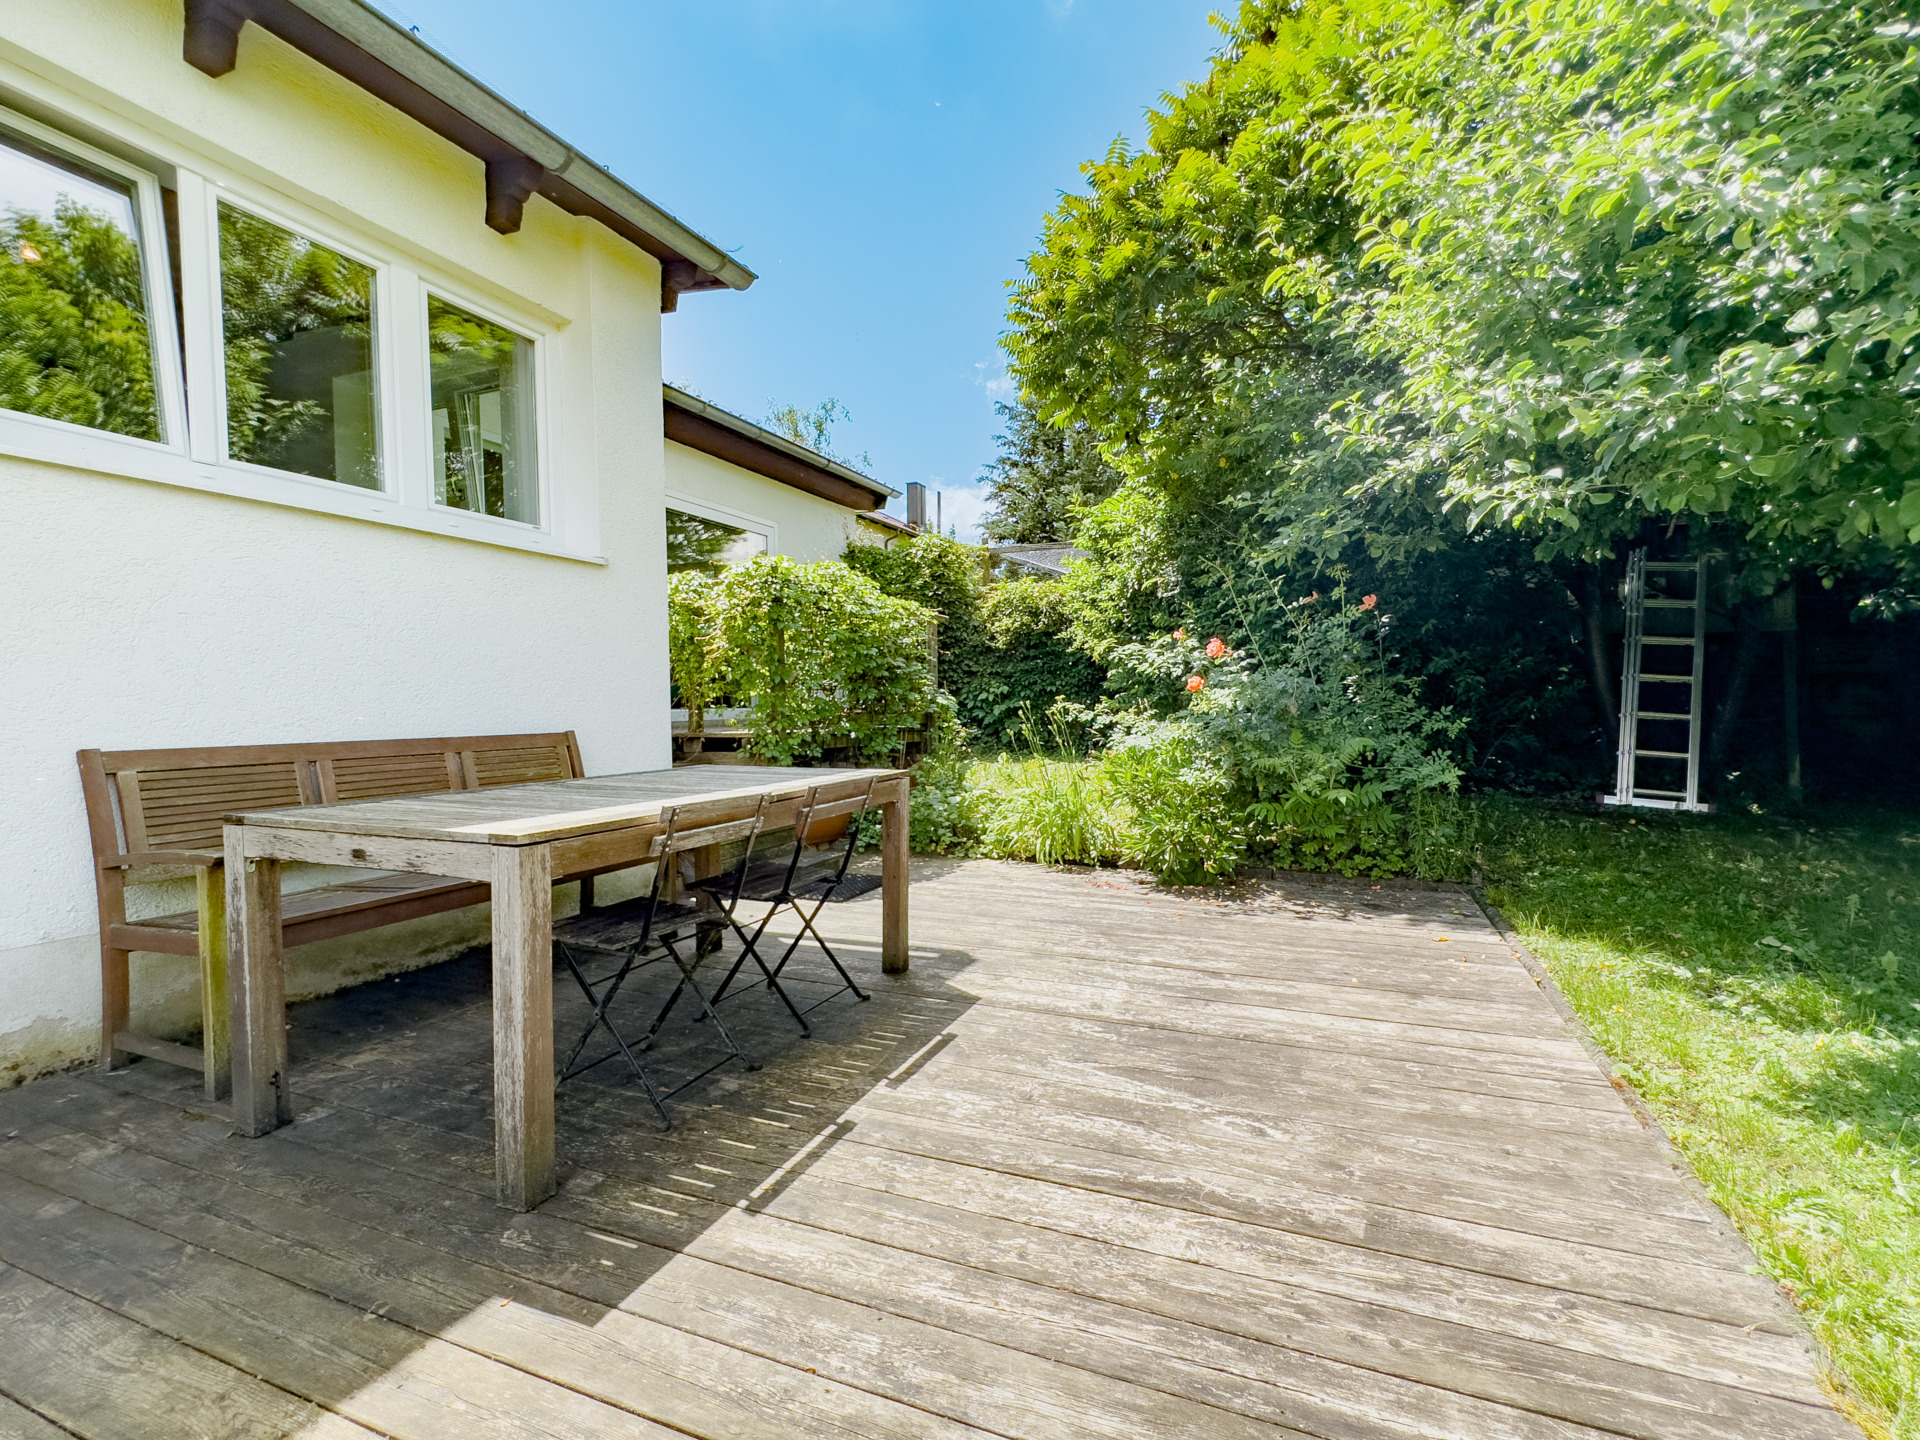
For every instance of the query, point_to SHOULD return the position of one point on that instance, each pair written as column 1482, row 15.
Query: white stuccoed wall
column 805, row 526
column 139, row 614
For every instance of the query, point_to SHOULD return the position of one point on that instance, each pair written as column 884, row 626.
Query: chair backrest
column 827, row 810
column 706, row 822
column 176, row 801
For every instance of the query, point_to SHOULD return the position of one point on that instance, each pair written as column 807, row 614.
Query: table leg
column 893, row 882
column 216, row 1045
column 523, row 1024
column 257, row 991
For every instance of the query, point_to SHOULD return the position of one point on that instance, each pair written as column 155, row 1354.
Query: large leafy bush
column 1317, row 757
column 1003, row 654
column 1314, row 751
column 824, row 659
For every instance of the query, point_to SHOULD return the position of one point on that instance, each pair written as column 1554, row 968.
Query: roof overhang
column 699, row 426
column 522, row 157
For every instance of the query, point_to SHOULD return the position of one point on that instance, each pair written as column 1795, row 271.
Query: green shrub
column 696, row 665
column 947, row 813
column 1003, row 649
column 1320, row 833
column 1319, row 749
column 1052, row 811
column 822, row 656
column 1176, row 816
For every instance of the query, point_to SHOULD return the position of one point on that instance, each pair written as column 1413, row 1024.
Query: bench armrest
column 140, row 859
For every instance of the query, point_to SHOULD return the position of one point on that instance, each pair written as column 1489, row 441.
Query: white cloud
column 991, row 376
column 962, row 508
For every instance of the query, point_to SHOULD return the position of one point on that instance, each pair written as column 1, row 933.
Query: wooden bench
column 149, row 809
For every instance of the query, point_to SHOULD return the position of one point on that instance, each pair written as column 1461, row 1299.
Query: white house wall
column 141, row 614
column 795, row 523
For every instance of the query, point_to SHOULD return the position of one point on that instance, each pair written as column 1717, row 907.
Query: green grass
column 1757, row 980
column 1047, row 810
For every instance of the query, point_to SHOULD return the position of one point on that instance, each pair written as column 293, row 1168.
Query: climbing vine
column 822, row 657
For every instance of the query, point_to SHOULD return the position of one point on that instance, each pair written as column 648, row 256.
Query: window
column 299, row 348
column 696, row 543
column 75, row 344
column 482, row 415
column 327, row 371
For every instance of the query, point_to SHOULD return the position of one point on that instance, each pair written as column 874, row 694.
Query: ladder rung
column 1653, row 601
column 1665, row 754
column 1668, row 679
column 1671, row 565
column 1661, row 715
column 1666, row 640
column 1670, row 794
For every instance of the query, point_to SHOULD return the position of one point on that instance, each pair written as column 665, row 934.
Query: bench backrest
column 175, row 801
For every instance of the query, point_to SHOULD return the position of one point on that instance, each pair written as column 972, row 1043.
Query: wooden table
column 521, row 839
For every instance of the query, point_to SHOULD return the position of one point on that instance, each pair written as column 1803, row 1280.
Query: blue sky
column 883, row 165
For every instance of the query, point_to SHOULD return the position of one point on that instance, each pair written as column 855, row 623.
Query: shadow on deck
column 1304, row 1160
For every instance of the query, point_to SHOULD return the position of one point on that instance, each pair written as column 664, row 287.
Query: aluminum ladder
column 1674, row 740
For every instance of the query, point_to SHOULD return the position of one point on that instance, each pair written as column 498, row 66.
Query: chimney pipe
column 916, row 505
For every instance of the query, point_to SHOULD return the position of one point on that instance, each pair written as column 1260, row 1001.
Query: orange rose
column 1197, row 682
column 1367, row 602
column 1216, row 647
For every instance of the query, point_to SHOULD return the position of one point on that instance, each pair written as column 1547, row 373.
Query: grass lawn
column 1757, row 979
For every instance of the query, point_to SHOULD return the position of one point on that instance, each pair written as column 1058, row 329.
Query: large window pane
column 299, row 353
column 482, row 415
column 697, row 543
column 74, row 343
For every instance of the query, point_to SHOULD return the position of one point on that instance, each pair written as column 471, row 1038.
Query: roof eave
column 771, row 445
column 522, row 157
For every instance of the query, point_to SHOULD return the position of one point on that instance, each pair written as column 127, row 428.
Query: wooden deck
column 1321, row 1160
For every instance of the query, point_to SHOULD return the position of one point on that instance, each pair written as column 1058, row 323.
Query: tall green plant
column 823, row 657
column 1314, row 750
column 692, row 629
column 1004, row 647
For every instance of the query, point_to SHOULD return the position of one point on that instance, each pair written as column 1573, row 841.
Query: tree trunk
column 1746, row 655
column 1791, row 696
column 1593, row 605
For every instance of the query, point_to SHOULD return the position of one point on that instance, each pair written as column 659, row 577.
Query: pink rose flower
column 1367, row 602
column 1216, row 647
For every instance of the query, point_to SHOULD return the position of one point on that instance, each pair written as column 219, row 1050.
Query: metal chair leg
column 600, row 1020
column 807, row 927
column 688, row 982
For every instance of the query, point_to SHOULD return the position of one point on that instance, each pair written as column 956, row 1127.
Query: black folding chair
column 825, row 832
column 650, row 929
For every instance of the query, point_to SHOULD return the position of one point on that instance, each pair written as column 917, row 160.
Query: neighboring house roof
column 1050, row 559
column 523, row 158
column 881, row 520
column 725, row 436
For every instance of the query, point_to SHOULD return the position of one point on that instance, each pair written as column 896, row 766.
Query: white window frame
column 537, row 336
column 190, row 366
column 215, row 381
column 163, row 341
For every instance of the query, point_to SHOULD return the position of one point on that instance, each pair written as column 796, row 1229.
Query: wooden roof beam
column 521, row 158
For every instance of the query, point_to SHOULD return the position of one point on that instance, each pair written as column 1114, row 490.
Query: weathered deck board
column 1310, row 1159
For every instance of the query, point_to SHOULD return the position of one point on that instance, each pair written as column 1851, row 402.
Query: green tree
column 814, row 429
column 1043, row 478
column 1650, row 259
